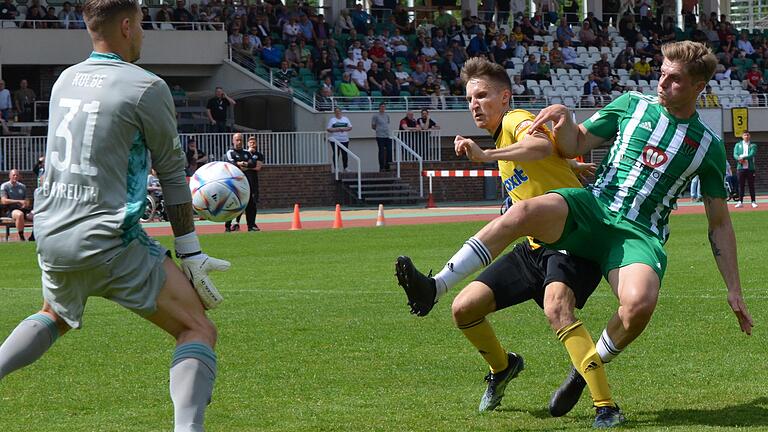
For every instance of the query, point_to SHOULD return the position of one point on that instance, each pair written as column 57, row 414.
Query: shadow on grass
column 753, row 413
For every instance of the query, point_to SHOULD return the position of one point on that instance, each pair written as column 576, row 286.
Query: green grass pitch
column 314, row 335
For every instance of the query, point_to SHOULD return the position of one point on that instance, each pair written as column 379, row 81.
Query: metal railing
column 279, row 148
column 337, row 169
column 399, row 147
column 21, row 152
column 425, row 143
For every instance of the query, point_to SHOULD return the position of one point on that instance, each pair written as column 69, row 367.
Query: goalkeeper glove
column 196, row 265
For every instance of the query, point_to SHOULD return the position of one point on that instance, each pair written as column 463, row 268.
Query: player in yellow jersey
column 530, row 165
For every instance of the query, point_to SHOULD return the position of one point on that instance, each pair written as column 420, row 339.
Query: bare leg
column 637, row 288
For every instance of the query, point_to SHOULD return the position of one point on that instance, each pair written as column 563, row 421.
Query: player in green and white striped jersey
column 620, row 222
column 108, row 119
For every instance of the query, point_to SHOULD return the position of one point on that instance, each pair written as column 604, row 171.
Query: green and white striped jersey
column 110, row 121
column 653, row 157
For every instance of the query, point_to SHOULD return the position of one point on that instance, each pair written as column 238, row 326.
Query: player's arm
column 531, row 147
column 573, row 139
column 723, row 242
column 582, row 169
column 158, row 119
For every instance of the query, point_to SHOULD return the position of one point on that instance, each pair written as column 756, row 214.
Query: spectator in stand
column 587, row 98
column 440, row 42
column 34, row 14
column 344, row 22
column 271, row 55
column 306, row 29
column 323, row 101
column 450, row 70
column 388, row 80
column 398, row 43
column 754, row 80
column 5, row 102
column 380, row 124
column 347, row 88
column 402, row 19
column 217, row 109
column 556, row 56
column 404, row 79
column 744, row 152
column 13, row 195
column 570, row 57
column 432, row 89
column 291, row 30
column 51, row 19
column 339, row 126
column 642, row 70
column 146, row 18
column 603, row 62
column 79, row 20
column 477, row 45
column 377, row 52
column 235, row 37
column 459, row 53
column 322, row 29
column 293, row 56
column 502, row 15
column 708, row 99
column 360, row 77
column 24, row 100
column 408, row 123
column 181, row 14
column 543, row 70
column 624, row 57
column 429, row 51
column 8, row 10
column 531, row 68
column 426, row 123
column 164, row 14
column 360, row 18
column 67, row 15
column 195, row 157
column 745, row 45
column 350, row 63
column 254, row 41
column 262, row 28
column 418, row 79
column 323, row 67
column 283, row 76
column 564, row 32
column 588, row 37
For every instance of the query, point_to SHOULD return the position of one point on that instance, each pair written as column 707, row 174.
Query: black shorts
column 10, row 211
column 522, row 275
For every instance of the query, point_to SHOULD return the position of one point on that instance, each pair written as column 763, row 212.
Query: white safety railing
column 279, row 148
column 426, row 143
column 20, row 152
column 337, row 169
column 399, row 147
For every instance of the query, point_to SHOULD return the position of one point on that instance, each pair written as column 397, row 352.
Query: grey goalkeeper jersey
column 109, row 122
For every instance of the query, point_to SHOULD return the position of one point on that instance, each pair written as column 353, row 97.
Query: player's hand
column 466, row 146
column 583, row 169
column 740, row 310
column 558, row 114
column 197, row 268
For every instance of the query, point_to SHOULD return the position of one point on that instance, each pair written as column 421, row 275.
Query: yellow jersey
column 523, row 180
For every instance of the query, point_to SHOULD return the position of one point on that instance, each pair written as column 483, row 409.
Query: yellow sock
column 585, row 359
column 481, row 334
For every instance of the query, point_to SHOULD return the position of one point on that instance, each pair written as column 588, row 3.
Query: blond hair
column 698, row 60
column 479, row 67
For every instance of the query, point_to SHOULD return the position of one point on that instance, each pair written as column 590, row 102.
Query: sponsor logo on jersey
column 522, row 125
column 690, row 146
column 647, row 126
column 516, row 180
column 654, row 157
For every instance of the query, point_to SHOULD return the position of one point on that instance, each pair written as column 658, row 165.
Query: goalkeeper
column 107, row 116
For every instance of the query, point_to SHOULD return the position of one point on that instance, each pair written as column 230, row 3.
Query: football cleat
column 497, row 383
column 420, row 290
column 565, row 398
column 608, row 417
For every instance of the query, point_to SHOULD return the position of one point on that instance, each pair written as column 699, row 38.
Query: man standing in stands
column 217, row 110
column 13, row 195
column 744, row 152
column 255, row 162
column 5, row 102
column 380, row 123
column 24, row 100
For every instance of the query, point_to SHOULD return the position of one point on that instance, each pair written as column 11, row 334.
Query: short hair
column 478, row 67
column 698, row 60
column 96, row 13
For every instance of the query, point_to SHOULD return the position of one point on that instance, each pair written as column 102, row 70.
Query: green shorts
column 133, row 278
column 592, row 232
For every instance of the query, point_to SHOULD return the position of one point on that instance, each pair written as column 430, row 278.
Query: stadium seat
column 642, row 83
column 605, row 50
column 581, row 50
column 593, row 49
column 573, row 90
column 8, row 24
column 574, row 73
column 166, row 26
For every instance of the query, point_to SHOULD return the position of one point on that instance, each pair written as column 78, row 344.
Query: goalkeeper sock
column 193, row 371
column 606, row 348
column 481, row 334
column 27, row 343
column 585, row 359
column 473, row 256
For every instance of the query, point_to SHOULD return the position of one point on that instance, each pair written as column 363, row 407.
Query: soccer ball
column 220, row 191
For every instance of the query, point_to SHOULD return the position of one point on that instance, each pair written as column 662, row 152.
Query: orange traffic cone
column 296, row 224
column 430, row 201
column 380, row 216
column 337, row 220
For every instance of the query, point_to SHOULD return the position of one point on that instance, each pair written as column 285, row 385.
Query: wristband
column 187, row 245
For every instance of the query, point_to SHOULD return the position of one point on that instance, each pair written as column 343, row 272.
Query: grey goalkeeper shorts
column 133, row 279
